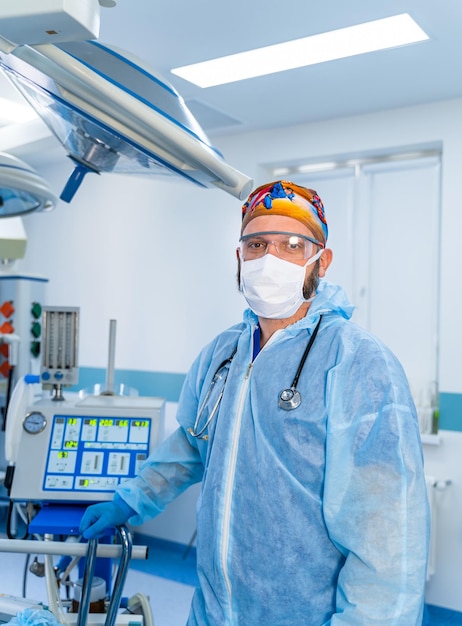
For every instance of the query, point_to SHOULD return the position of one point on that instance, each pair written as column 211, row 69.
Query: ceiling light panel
column 389, row 32
column 15, row 113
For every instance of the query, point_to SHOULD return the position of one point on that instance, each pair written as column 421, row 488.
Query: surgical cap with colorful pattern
column 291, row 200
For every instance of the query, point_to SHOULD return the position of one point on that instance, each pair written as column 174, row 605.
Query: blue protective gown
column 313, row 516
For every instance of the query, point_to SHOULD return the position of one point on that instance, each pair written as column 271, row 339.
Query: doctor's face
column 272, row 238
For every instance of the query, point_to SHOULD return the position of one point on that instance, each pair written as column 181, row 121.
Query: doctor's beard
column 311, row 282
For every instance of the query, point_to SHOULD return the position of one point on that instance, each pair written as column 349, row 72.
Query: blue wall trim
column 167, row 385
column 450, row 411
column 160, row 384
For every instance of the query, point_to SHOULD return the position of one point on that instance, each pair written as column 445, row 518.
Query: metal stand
column 126, row 542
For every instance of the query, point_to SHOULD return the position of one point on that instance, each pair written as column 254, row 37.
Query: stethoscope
column 289, row 399
column 216, row 377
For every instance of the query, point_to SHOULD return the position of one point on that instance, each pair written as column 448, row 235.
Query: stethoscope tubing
column 305, row 355
column 193, row 431
column 289, row 398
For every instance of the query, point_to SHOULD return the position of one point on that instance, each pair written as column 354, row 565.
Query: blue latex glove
column 99, row 517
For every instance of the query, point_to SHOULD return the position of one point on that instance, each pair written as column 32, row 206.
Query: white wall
column 156, row 256
column 442, row 462
column 159, row 257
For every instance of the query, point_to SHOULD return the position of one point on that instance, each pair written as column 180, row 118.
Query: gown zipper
column 229, row 488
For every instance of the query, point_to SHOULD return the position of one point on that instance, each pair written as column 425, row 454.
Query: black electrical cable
column 9, row 517
column 24, row 577
column 9, row 389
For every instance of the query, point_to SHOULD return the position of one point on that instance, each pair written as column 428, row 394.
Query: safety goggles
column 289, row 246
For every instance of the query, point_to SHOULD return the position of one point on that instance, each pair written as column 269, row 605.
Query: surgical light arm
column 51, row 21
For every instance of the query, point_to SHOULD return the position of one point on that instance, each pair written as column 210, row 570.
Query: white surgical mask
column 273, row 287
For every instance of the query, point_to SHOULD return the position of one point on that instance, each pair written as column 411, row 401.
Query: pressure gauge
column 34, row 423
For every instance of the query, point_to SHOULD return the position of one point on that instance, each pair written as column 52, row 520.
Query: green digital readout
column 72, row 421
column 141, row 423
column 71, row 444
column 107, row 422
column 122, row 423
column 63, row 455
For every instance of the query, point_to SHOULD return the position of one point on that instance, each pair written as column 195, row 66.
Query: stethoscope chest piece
column 289, row 399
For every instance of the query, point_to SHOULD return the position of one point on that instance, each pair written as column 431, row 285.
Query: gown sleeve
column 174, row 466
column 375, row 499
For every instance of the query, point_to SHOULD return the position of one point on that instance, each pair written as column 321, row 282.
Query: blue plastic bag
column 34, row 617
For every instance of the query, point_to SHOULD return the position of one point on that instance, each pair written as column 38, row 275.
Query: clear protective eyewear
column 289, row 246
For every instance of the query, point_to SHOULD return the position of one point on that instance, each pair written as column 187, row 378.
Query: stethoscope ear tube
column 290, row 398
column 199, row 434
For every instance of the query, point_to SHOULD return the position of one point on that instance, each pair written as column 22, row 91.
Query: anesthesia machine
column 65, row 451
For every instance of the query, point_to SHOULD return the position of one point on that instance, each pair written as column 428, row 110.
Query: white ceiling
column 170, row 33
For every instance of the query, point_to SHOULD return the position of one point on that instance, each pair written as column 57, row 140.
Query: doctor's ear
column 325, row 261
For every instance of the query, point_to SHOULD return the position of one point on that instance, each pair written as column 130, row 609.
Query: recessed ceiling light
column 388, row 32
column 280, row 171
column 15, row 112
column 307, row 168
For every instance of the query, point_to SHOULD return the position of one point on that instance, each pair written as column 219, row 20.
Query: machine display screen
column 94, row 453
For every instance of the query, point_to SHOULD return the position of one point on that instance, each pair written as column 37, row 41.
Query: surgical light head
column 112, row 113
column 22, row 190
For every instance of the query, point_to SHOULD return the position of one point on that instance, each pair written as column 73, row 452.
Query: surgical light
column 109, row 110
column 112, row 113
column 22, row 190
column 389, row 32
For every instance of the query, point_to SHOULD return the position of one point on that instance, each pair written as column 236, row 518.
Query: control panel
column 83, row 451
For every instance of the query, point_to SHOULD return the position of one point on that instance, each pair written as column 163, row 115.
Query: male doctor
column 302, row 429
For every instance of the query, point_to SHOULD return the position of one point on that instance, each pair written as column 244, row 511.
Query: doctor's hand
column 99, row 517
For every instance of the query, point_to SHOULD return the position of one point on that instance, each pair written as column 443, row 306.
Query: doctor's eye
column 256, row 245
